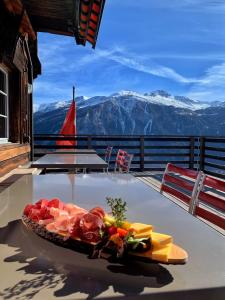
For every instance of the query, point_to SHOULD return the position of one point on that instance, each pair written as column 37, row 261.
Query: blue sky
column 145, row 45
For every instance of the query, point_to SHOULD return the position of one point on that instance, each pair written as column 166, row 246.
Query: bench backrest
column 210, row 202
column 181, row 183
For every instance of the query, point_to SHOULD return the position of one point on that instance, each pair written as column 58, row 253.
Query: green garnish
column 118, row 209
column 101, row 233
column 136, row 242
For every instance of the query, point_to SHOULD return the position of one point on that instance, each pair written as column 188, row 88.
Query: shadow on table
column 47, row 266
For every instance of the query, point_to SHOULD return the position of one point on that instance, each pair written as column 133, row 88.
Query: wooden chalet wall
column 19, row 22
column 18, row 58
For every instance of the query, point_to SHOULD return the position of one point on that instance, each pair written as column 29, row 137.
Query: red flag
column 69, row 126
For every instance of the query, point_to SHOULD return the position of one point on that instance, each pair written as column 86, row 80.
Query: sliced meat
column 73, row 209
column 62, row 223
column 41, row 203
column 51, row 227
column 88, row 227
column 27, row 209
column 75, row 219
column 90, row 222
column 57, row 203
column 69, row 207
column 98, row 211
column 91, row 236
column 44, row 213
column 34, row 214
column 67, row 218
column 45, row 222
column 56, row 212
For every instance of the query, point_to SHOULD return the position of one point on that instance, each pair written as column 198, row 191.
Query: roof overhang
column 78, row 18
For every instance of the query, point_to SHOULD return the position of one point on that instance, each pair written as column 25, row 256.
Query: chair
column 125, row 166
column 119, row 157
column 107, row 158
column 123, row 161
column 210, row 201
column 181, row 183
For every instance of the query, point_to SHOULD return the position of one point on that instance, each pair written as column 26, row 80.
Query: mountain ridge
column 157, row 97
column 128, row 112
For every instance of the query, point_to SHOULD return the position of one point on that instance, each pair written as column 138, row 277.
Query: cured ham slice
column 56, row 212
column 27, row 209
column 41, row 203
column 51, row 227
column 45, row 222
column 62, row 223
column 74, row 209
column 57, row 203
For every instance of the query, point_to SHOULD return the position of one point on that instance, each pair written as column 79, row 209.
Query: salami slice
column 88, row 227
column 98, row 211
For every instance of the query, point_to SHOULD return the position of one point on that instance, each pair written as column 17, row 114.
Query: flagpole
column 73, row 178
column 75, row 109
column 73, row 93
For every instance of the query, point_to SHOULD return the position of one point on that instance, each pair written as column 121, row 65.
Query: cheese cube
column 140, row 228
column 161, row 254
column 159, row 240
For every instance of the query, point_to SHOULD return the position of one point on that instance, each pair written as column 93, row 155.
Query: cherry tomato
column 112, row 230
column 122, row 232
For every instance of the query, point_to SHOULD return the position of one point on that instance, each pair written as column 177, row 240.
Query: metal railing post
column 89, row 139
column 192, row 153
column 142, row 153
column 202, row 154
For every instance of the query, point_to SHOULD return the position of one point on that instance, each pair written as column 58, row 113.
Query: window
column 3, row 106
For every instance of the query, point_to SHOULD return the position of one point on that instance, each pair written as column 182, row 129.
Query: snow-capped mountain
column 163, row 98
column 128, row 112
column 157, row 97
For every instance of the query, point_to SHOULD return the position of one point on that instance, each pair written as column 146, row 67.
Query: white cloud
column 132, row 61
column 55, row 64
column 211, row 86
column 57, row 58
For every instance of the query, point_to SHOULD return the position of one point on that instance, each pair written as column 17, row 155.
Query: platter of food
column 101, row 234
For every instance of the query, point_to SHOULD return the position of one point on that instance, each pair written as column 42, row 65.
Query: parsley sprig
column 118, row 209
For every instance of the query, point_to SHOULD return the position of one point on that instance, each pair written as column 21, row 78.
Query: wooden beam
column 15, row 7
column 26, row 27
column 13, row 152
column 9, row 165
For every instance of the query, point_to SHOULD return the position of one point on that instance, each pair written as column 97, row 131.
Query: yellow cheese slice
column 143, row 235
column 139, row 227
column 161, row 254
column 126, row 225
column 159, row 240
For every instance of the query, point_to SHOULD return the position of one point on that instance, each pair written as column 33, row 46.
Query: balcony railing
column 151, row 153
